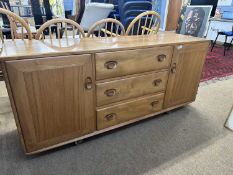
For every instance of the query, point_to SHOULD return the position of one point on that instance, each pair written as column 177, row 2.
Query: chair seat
column 230, row 33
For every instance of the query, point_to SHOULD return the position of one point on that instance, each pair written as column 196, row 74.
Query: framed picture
column 195, row 20
column 181, row 18
column 225, row 2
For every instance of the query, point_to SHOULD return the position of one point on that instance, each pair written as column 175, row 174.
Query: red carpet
column 217, row 65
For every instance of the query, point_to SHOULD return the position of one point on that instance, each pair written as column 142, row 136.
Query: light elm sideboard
column 62, row 95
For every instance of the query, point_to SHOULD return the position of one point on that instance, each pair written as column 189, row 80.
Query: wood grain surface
column 132, row 61
column 67, row 90
column 120, row 113
column 51, row 100
column 113, row 91
column 33, row 48
column 185, row 73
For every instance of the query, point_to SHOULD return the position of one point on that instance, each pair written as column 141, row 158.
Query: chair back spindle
column 15, row 23
column 56, row 25
column 147, row 23
column 106, row 28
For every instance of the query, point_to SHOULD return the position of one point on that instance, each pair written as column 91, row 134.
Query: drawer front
column 120, row 113
column 114, row 91
column 120, row 63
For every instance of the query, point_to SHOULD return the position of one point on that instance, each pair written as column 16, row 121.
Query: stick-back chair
column 70, row 25
column 146, row 23
column 15, row 23
column 108, row 27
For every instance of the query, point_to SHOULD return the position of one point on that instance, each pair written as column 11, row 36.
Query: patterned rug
column 218, row 66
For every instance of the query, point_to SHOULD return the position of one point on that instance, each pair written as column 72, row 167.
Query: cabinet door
column 54, row 98
column 184, row 77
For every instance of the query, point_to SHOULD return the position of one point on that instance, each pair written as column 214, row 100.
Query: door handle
column 173, row 68
column 88, row 83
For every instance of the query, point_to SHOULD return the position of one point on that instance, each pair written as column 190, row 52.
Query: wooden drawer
column 114, row 91
column 120, row 63
column 123, row 112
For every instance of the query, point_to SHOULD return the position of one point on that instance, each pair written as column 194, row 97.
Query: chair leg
column 225, row 45
column 229, row 46
column 213, row 44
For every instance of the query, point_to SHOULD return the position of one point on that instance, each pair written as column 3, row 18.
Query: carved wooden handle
column 111, row 64
column 88, row 83
column 157, row 82
column 154, row 103
column 109, row 117
column 173, row 68
column 110, row 92
column 161, row 57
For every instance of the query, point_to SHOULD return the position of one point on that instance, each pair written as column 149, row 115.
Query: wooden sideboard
column 62, row 95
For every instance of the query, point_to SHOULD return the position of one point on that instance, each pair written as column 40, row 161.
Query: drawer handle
column 157, row 82
column 173, row 68
column 155, row 103
column 110, row 92
column 111, row 64
column 109, row 117
column 161, row 57
column 88, row 83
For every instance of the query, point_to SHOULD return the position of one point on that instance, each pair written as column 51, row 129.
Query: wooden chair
column 106, row 28
column 146, row 23
column 15, row 23
column 69, row 25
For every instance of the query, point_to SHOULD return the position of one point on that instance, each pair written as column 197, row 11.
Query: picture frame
column 195, row 20
column 181, row 18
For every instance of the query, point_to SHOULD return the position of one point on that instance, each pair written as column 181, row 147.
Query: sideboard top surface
column 23, row 49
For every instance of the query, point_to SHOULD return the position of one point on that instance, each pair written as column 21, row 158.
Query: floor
column 191, row 140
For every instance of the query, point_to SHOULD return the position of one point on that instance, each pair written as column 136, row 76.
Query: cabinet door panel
column 51, row 100
column 184, row 77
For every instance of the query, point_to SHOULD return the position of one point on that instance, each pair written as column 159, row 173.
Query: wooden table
column 66, row 91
